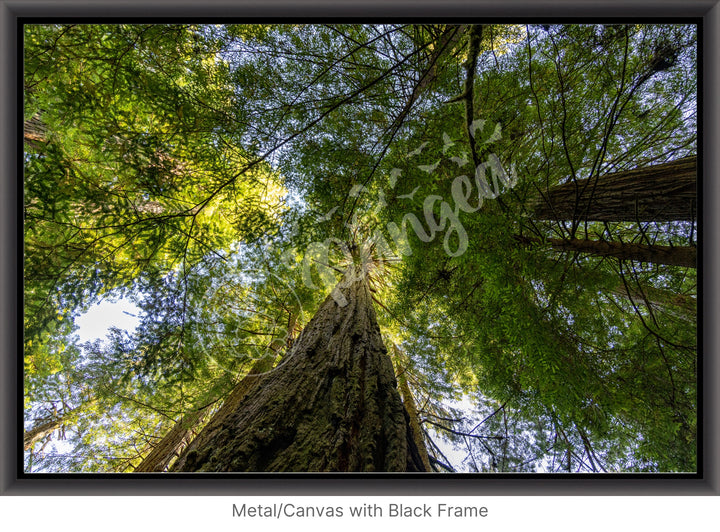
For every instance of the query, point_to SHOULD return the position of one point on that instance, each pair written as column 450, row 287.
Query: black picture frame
column 14, row 13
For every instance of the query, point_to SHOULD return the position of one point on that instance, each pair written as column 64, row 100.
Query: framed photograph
column 465, row 249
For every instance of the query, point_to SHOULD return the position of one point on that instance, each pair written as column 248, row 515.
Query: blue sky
column 95, row 323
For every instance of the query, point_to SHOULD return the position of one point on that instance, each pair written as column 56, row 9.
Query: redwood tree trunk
column 679, row 305
column 332, row 405
column 171, row 444
column 181, row 435
column 662, row 192
column 671, row 255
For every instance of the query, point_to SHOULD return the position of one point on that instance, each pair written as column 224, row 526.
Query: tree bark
column 34, row 131
column 181, row 435
column 38, row 432
column 172, row 443
column 671, row 255
column 678, row 305
column 660, row 193
column 332, row 405
column 685, row 256
column 411, row 408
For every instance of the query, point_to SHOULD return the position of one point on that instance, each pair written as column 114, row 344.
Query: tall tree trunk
column 34, row 131
column 411, row 408
column 671, row 255
column 662, row 192
column 678, row 305
column 172, row 443
column 333, row 404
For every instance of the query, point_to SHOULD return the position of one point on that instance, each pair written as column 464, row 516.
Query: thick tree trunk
column 332, row 405
column 671, row 255
column 662, row 192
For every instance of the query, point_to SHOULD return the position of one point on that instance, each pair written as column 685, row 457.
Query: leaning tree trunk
column 411, row 408
column 333, row 404
column 671, row 255
column 660, row 193
column 415, row 428
column 182, row 433
column 39, row 431
column 172, row 443
column 679, row 305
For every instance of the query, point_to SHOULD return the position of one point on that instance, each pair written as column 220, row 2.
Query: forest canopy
column 431, row 247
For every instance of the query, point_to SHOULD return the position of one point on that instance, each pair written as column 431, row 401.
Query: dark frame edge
column 11, row 482
column 710, row 255
column 365, row 9
column 9, row 293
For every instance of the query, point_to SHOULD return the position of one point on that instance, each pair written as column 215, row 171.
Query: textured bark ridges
column 181, row 435
column 332, row 405
column 662, row 192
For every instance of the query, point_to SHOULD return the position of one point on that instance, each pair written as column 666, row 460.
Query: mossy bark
column 331, row 405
